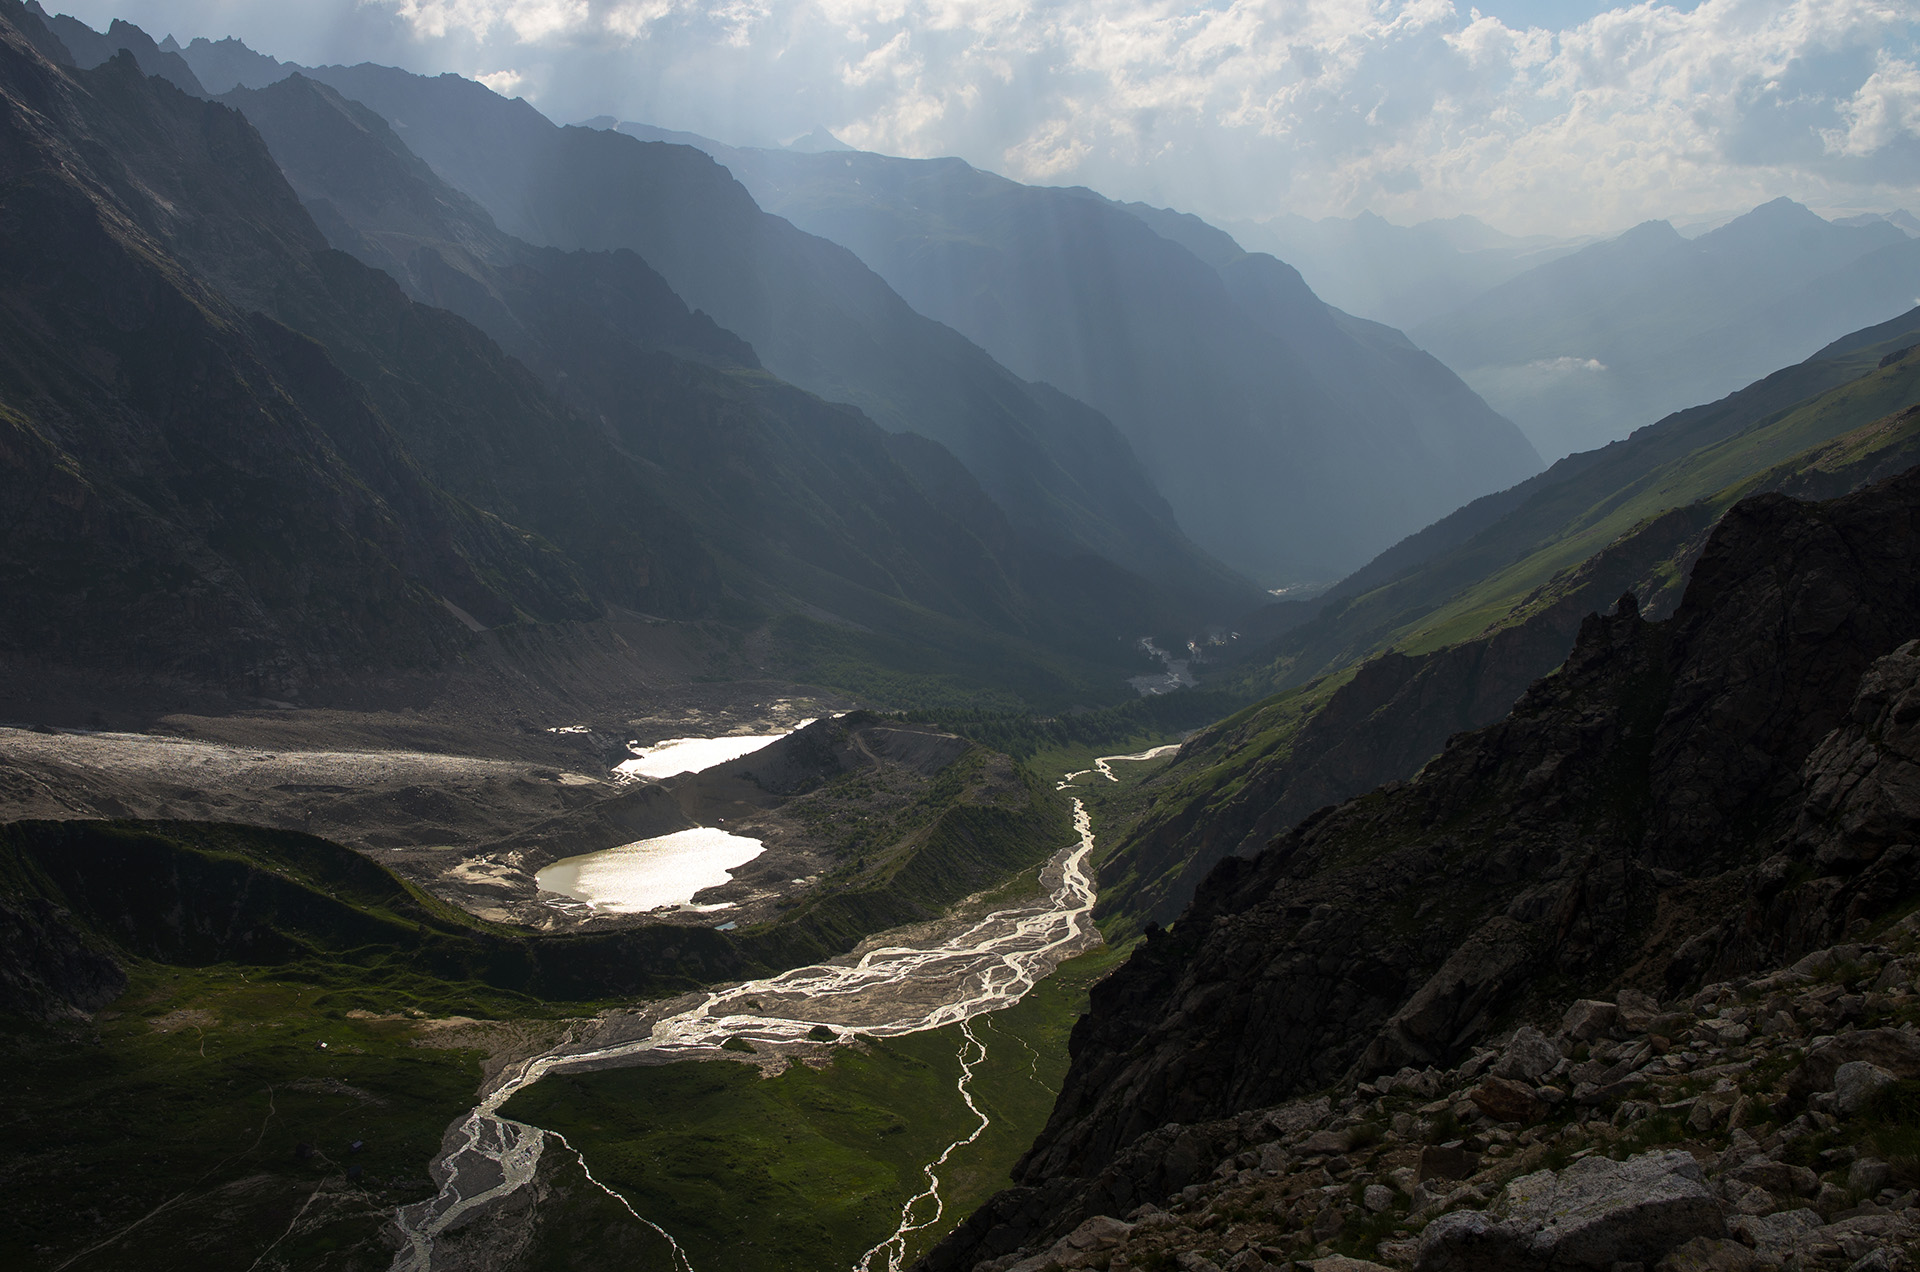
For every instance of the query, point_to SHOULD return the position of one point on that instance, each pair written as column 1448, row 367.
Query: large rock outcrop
column 1613, row 828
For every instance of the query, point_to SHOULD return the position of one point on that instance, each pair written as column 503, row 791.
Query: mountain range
column 1581, row 350
column 202, row 392
column 1586, row 798
column 1289, row 437
column 1289, row 440
column 1399, row 274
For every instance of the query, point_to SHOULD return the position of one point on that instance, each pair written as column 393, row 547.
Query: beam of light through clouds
column 1237, row 108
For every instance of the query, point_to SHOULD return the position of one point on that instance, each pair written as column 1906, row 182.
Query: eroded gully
column 989, row 964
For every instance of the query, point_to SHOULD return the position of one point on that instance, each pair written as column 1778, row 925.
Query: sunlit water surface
column 668, row 870
column 694, row 755
column 646, row 875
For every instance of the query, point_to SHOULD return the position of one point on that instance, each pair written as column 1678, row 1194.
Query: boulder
column 1868, row 1176
column 1530, row 1055
column 1773, row 1237
column 1857, row 1082
column 1326, row 1143
column 1638, row 1011
column 1096, row 1233
column 1891, row 1049
column 1588, row 1020
column 1709, row 1254
column 1779, row 1178
column 1592, row 1215
column 1447, row 1161
column 1377, row 1197
column 1102, row 1232
column 1505, row 1101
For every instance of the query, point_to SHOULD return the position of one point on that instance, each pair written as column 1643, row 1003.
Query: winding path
column 888, row 991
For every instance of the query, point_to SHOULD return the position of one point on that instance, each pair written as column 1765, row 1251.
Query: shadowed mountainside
column 286, row 472
column 1291, row 439
column 812, row 312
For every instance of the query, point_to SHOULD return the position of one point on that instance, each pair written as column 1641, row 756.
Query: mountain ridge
column 1302, row 433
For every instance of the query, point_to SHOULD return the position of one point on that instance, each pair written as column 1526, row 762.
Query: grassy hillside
column 1460, row 581
column 1718, row 475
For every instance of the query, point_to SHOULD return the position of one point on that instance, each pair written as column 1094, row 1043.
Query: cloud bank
column 1247, row 108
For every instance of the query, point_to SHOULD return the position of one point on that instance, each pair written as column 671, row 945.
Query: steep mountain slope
column 1291, row 440
column 1581, row 349
column 1687, row 799
column 593, row 323
column 1482, row 621
column 1472, row 568
column 376, row 200
column 1241, row 782
column 286, row 472
column 811, row 311
column 169, row 456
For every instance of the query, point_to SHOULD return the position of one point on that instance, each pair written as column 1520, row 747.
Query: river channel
column 888, row 990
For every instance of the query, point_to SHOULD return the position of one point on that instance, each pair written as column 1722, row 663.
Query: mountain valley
column 581, row 697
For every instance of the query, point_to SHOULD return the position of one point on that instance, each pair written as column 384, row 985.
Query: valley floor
column 263, row 1117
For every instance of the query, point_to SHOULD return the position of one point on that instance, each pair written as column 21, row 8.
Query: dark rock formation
column 1381, row 726
column 1614, row 826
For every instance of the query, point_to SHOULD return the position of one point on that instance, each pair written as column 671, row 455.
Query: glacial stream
column 888, row 991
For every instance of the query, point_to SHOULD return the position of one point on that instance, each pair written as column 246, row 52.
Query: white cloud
column 1885, row 110
column 1248, row 107
column 1566, row 366
column 502, row 82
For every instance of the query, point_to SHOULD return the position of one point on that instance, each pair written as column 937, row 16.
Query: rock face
column 1652, row 814
column 1394, row 715
column 1593, row 1214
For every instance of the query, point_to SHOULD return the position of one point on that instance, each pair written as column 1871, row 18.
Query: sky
column 1538, row 116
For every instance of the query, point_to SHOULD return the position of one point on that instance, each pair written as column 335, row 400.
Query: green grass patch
column 191, row 1097
column 809, row 1169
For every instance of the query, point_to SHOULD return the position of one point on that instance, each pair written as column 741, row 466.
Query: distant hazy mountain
column 1584, row 349
column 1493, row 561
column 1399, row 274
column 1899, row 217
column 813, row 313
column 88, row 47
column 1290, row 438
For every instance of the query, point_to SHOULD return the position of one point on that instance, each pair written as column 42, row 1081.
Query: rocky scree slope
column 1652, row 814
column 1765, row 1123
